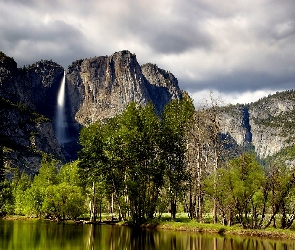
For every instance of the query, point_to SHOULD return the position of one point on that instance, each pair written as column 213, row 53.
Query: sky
column 241, row 50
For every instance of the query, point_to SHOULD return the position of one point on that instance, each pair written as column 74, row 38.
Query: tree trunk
column 200, row 204
column 284, row 216
column 2, row 174
column 93, row 208
column 192, row 204
column 112, row 206
column 173, row 209
column 100, row 211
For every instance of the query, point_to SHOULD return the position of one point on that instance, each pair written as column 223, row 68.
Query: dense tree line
column 50, row 194
column 139, row 156
column 140, row 164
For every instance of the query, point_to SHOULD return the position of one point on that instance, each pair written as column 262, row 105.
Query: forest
column 140, row 164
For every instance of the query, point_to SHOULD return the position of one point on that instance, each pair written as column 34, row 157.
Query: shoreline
column 270, row 233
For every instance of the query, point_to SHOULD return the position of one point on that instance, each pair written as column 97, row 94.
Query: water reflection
column 48, row 235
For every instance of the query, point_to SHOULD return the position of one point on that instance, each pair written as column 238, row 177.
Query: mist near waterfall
column 60, row 117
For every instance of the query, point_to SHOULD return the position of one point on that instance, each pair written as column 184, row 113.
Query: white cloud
column 232, row 98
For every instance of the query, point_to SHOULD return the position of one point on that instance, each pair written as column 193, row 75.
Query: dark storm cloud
column 241, row 82
column 165, row 30
column 31, row 42
column 227, row 46
column 56, row 40
column 28, row 38
column 178, row 39
column 56, row 31
column 175, row 40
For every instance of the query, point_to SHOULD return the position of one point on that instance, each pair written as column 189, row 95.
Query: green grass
column 194, row 226
column 183, row 223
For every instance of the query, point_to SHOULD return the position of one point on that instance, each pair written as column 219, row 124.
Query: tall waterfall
column 60, row 118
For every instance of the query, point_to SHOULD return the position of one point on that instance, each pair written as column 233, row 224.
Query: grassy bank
column 185, row 224
column 193, row 226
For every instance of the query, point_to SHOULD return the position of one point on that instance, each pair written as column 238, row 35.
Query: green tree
column 63, row 201
column 247, row 180
column 135, row 168
column 175, row 124
column 20, row 186
column 125, row 153
column 92, row 160
column 141, row 133
column 47, row 173
column 33, row 200
column 34, row 196
column 281, row 187
column 69, row 173
column 6, row 198
column 239, row 191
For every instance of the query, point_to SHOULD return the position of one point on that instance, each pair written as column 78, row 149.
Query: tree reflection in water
column 48, row 235
column 118, row 237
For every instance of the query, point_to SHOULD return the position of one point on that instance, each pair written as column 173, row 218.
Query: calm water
column 32, row 235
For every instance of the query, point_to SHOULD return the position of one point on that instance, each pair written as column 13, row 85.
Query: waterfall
column 60, row 118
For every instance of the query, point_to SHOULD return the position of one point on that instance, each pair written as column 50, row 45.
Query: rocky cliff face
column 235, row 121
column 28, row 100
column 35, row 86
column 96, row 88
column 25, row 137
column 272, row 123
column 101, row 87
column 162, row 87
column 267, row 124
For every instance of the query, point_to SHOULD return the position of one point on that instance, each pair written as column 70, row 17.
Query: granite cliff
column 96, row 88
column 267, row 125
column 101, row 87
column 27, row 108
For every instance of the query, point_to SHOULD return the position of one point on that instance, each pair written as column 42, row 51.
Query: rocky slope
column 96, row 88
column 25, row 137
column 27, row 108
column 101, row 87
column 268, row 124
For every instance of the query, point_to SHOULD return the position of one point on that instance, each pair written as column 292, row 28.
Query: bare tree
column 203, row 154
column 196, row 156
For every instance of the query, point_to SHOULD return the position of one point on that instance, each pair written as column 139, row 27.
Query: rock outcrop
column 28, row 100
column 25, row 137
column 101, row 87
column 96, row 88
column 35, row 86
column 267, row 125
column 162, row 87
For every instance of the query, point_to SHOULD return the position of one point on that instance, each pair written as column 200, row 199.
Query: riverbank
column 193, row 226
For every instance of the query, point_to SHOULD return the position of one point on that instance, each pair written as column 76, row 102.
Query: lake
column 33, row 235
